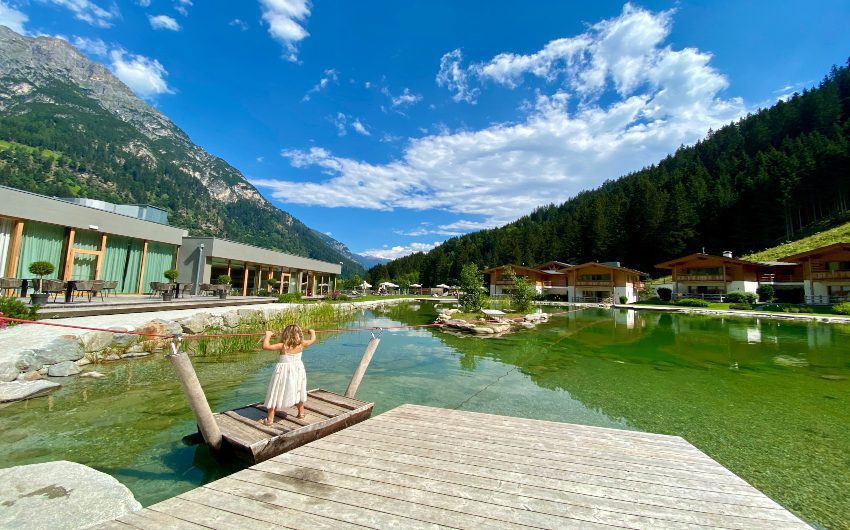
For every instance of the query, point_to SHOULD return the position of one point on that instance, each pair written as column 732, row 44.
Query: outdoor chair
column 110, row 286
column 10, row 283
column 87, row 287
column 97, row 289
column 160, row 287
column 54, row 287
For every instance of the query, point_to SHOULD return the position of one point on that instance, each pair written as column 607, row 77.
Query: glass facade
column 42, row 242
column 122, row 262
column 160, row 259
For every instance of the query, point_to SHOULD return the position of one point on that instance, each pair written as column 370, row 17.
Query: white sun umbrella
column 388, row 284
column 444, row 286
column 415, row 285
column 365, row 285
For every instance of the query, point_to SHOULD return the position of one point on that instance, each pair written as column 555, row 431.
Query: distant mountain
column 369, row 261
column 771, row 177
column 70, row 128
column 365, row 261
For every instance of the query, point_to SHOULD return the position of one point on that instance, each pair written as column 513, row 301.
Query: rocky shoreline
column 23, row 375
column 493, row 326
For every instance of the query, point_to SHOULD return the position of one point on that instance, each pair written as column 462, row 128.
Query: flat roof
column 225, row 249
column 19, row 204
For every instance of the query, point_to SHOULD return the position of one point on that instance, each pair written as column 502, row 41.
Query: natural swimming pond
column 768, row 399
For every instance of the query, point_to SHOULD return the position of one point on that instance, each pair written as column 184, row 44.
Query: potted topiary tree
column 40, row 269
column 224, row 280
column 270, row 283
column 171, row 275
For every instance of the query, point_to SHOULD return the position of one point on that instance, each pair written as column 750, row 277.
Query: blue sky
column 394, row 125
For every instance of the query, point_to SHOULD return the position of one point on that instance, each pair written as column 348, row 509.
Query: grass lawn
column 369, row 298
column 724, row 306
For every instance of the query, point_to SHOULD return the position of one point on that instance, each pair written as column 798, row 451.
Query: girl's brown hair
column 292, row 336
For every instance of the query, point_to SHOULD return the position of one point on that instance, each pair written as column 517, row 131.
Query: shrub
column 806, row 309
column 336, row 295
column 691, row 302
column 522, row 293
column 14, row 308
column 262, row 292
column 289, row 298
column 664, row 293
column 171, row 274
column 773, row 308
column 624, row 299
column 41, row 268
column 224, row 279
column 740, row 297
column 766, row 293
column 471, row 281
column 743, row 307
column 842, row 309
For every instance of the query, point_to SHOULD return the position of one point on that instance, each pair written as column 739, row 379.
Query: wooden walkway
column 422, row 467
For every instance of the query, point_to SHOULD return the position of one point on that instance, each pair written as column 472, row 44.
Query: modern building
column 710, row 276
column 548, row 281
column 823, row 272
column 86, row 239
column 596, row 282
column 204, row 259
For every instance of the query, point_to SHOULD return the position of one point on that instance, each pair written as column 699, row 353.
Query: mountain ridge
column 51, row 95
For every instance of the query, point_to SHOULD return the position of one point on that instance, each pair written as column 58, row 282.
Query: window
column 595, row 277
column 705, row 271
column 835, row 266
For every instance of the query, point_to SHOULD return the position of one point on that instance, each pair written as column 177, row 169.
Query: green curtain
column 122, row 261
column 41, row 242
column 160, row 259
column 85, row 265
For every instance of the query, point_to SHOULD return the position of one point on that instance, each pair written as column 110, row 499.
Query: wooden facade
column 825, row 273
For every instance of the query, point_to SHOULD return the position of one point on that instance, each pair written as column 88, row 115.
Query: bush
column 41, row 268
column 471, row 281
column 224, row 279
column 842, row 309
column 14, row 308
column 766, row 293
column 171, row 274
column 740, row 297
column 522, row 293
column 691, row 302
column 773, row 308
column 664, row 293
column 289, row 298
column 624, row 299
column 743, row 307
column 262, row 292
column 336, row 295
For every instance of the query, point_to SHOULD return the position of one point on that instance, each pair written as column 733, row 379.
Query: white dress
column 288, row 385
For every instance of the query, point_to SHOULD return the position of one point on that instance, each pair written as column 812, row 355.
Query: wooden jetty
column 324, row 413
column 423, row 467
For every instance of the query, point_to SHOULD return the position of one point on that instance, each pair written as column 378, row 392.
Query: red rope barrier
column 4, row 320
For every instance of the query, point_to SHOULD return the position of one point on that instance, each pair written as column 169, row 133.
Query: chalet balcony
column 702, row 278
column 777, row 278
column 832, row 275
column 593, row 283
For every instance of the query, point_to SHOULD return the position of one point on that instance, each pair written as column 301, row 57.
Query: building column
column 245, row 280
column 142, row 268
column 99, row 264
column 69, row 255
column 14, row 251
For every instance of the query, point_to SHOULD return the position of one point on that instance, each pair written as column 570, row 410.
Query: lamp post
column 199, row 269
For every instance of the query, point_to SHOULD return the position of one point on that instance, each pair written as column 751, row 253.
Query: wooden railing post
column 361, row 368
column 195, row 395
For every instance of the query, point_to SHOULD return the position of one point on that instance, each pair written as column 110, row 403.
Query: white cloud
column 358, row 127
column 12, row 18
column 450, row 229
column 285, row 19
column 144, row 76
column 405, row 99
column 163, row 22
column 452, row 76
column 399, row 251
column 182, row 6
column 239, row 23
column 565, row 143
column 144, row 3
column 339, row 122
column 261, row 159
column 88, row 11
column 330, row 76
column 91, row 46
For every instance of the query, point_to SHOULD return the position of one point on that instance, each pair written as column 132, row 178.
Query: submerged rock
column 94, row 374
column 18, row 390
column 63, row 369
column 8, row 371
column 29, row 376
column 60, row 495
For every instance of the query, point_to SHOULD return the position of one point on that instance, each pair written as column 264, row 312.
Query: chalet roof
column 514, row 267
column 700, row 256
column 553, row 265
column 604, row 265
column 777, row 263
column 820, row 250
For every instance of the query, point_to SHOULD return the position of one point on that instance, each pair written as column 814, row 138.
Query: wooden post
column 99, row 265
column 361, row 368
column 245, row 280
column 69, row 255
column 142, row 268
column 195, row 395
column 15, row 249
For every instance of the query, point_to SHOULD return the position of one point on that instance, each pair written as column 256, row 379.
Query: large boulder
column 27, row 361
column 95, row 341
column 196, row 323
column 18, row 390
column 64, row 348
column 63, row 369
column 231, row 319
column 160, row 327
column 8, row 371
column 122, row 340
column 61, row 495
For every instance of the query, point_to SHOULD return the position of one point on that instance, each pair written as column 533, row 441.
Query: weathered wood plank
column 148, row 519
column 271, row 430
column 494, row 504
column 642, row 477
column 336, row 398
column 324, row 408
column 212, row 517
column 114, row 525
column 264, row 511
column 314, row 484
column 529, row 448
column 530, row 497
column 372, row 517
column 238, row 430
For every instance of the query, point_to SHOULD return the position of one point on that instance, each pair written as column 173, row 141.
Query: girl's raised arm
column 268, row 345
column 311, row 340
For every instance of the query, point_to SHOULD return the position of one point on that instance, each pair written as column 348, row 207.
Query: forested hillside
column 747, row 186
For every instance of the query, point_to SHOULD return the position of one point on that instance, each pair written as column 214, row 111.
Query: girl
column 289, row 381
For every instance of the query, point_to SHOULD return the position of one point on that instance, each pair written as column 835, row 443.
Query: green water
column 768, row 399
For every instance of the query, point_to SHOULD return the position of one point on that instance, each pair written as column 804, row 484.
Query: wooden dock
column 423, row 467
